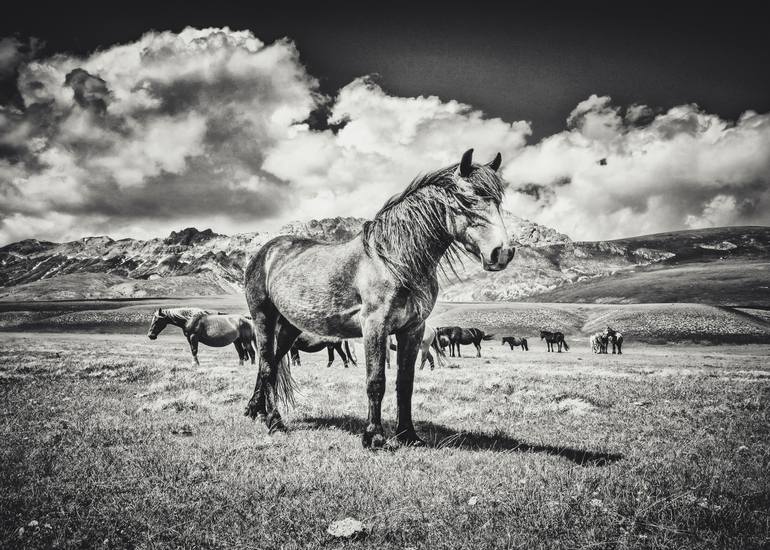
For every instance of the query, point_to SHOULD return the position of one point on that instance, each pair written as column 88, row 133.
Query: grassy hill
column 718, row 282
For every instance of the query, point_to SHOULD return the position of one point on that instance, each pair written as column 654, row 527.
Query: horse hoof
column 373, row 440
column 410, row 439
column 274, row 423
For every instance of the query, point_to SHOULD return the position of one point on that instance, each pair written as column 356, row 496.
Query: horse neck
column 179, row 317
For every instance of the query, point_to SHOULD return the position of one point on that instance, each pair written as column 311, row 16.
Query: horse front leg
column 478, row 350
column 193, row 341
column 375, row 344
column 330, row 354
column 408, row 347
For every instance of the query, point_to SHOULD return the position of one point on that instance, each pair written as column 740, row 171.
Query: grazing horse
column 465, row 336
column 429, row 340
column 616, row 339
column 552, row 338
column 598, row 342
column 207, row 327
column 312, row 344
column 383, row 281
column 515, row 342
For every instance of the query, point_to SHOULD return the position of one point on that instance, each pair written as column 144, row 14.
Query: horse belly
column 218, row 332
column 318, row 296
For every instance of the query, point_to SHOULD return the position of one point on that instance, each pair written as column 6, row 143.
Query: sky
column 612, row 121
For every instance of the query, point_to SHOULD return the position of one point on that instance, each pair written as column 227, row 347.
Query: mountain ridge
column 208, row 263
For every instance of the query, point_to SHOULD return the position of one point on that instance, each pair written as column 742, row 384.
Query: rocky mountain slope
column 203, row 263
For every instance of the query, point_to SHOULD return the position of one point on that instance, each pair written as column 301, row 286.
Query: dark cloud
column 91, row 92
column 542, row 194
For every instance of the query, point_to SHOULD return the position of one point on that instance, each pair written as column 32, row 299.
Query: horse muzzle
column 152, row 336
column 498, row 259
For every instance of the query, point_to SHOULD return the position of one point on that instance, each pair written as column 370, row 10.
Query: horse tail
column 283, row 390
column 351, row 356
column 566, row 347
column 440, row 354
column 487, row 336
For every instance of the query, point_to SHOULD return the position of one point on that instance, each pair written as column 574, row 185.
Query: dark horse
column 464, row 336
column 552, row 338
column 381, row 282
column 616, row 339
column 207, row 327
column 312, row 344
column 515, row 342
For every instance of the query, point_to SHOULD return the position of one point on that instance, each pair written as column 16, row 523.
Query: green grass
column 116, row 441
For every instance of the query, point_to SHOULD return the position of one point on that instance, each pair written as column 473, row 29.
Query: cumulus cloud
column 638, row 172
column 138, row 138
column 215, row 128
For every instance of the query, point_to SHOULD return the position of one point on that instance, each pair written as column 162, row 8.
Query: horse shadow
column 439, row 437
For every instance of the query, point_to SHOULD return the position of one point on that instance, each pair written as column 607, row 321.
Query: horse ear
column 496, row 162
column 160, row 312
column 466, row 164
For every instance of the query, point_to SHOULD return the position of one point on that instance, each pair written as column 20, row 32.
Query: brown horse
column 312, row 344
column 381, row 282
column 464, row 336
column 209, row 328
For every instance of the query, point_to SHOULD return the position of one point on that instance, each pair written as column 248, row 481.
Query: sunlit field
column 113, row 440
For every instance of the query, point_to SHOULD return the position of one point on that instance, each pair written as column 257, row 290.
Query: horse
column 552, row 338
column 383, row 281
column 312, row 344
column 466, row 336
column 429, row 340
column 617, row 340
column 598, row 342
column 207, row 327
column 444, row 335
column 515, row 342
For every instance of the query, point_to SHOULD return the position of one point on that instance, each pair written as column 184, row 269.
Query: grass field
column 115, row 441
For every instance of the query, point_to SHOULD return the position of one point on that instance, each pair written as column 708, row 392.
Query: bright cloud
column 610, row 176
column 211, row 128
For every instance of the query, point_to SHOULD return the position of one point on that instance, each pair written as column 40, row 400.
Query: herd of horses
column 379, row 286
column 217, row 329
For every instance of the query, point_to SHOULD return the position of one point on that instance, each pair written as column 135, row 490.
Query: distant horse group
column 600, row 341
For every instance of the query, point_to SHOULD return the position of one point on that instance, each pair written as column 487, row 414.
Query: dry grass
column 115, row 441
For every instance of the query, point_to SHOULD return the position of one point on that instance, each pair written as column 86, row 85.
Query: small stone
column 742, row 449
column 32, row 524
column 473, row 501
column 596, row 503
column 347, row 528
column 20, row 532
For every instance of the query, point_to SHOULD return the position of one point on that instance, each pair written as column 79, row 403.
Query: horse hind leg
column 261, row 403
column 193, row 341
column 241, row 352
column 250, row 352
column 342, row 354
